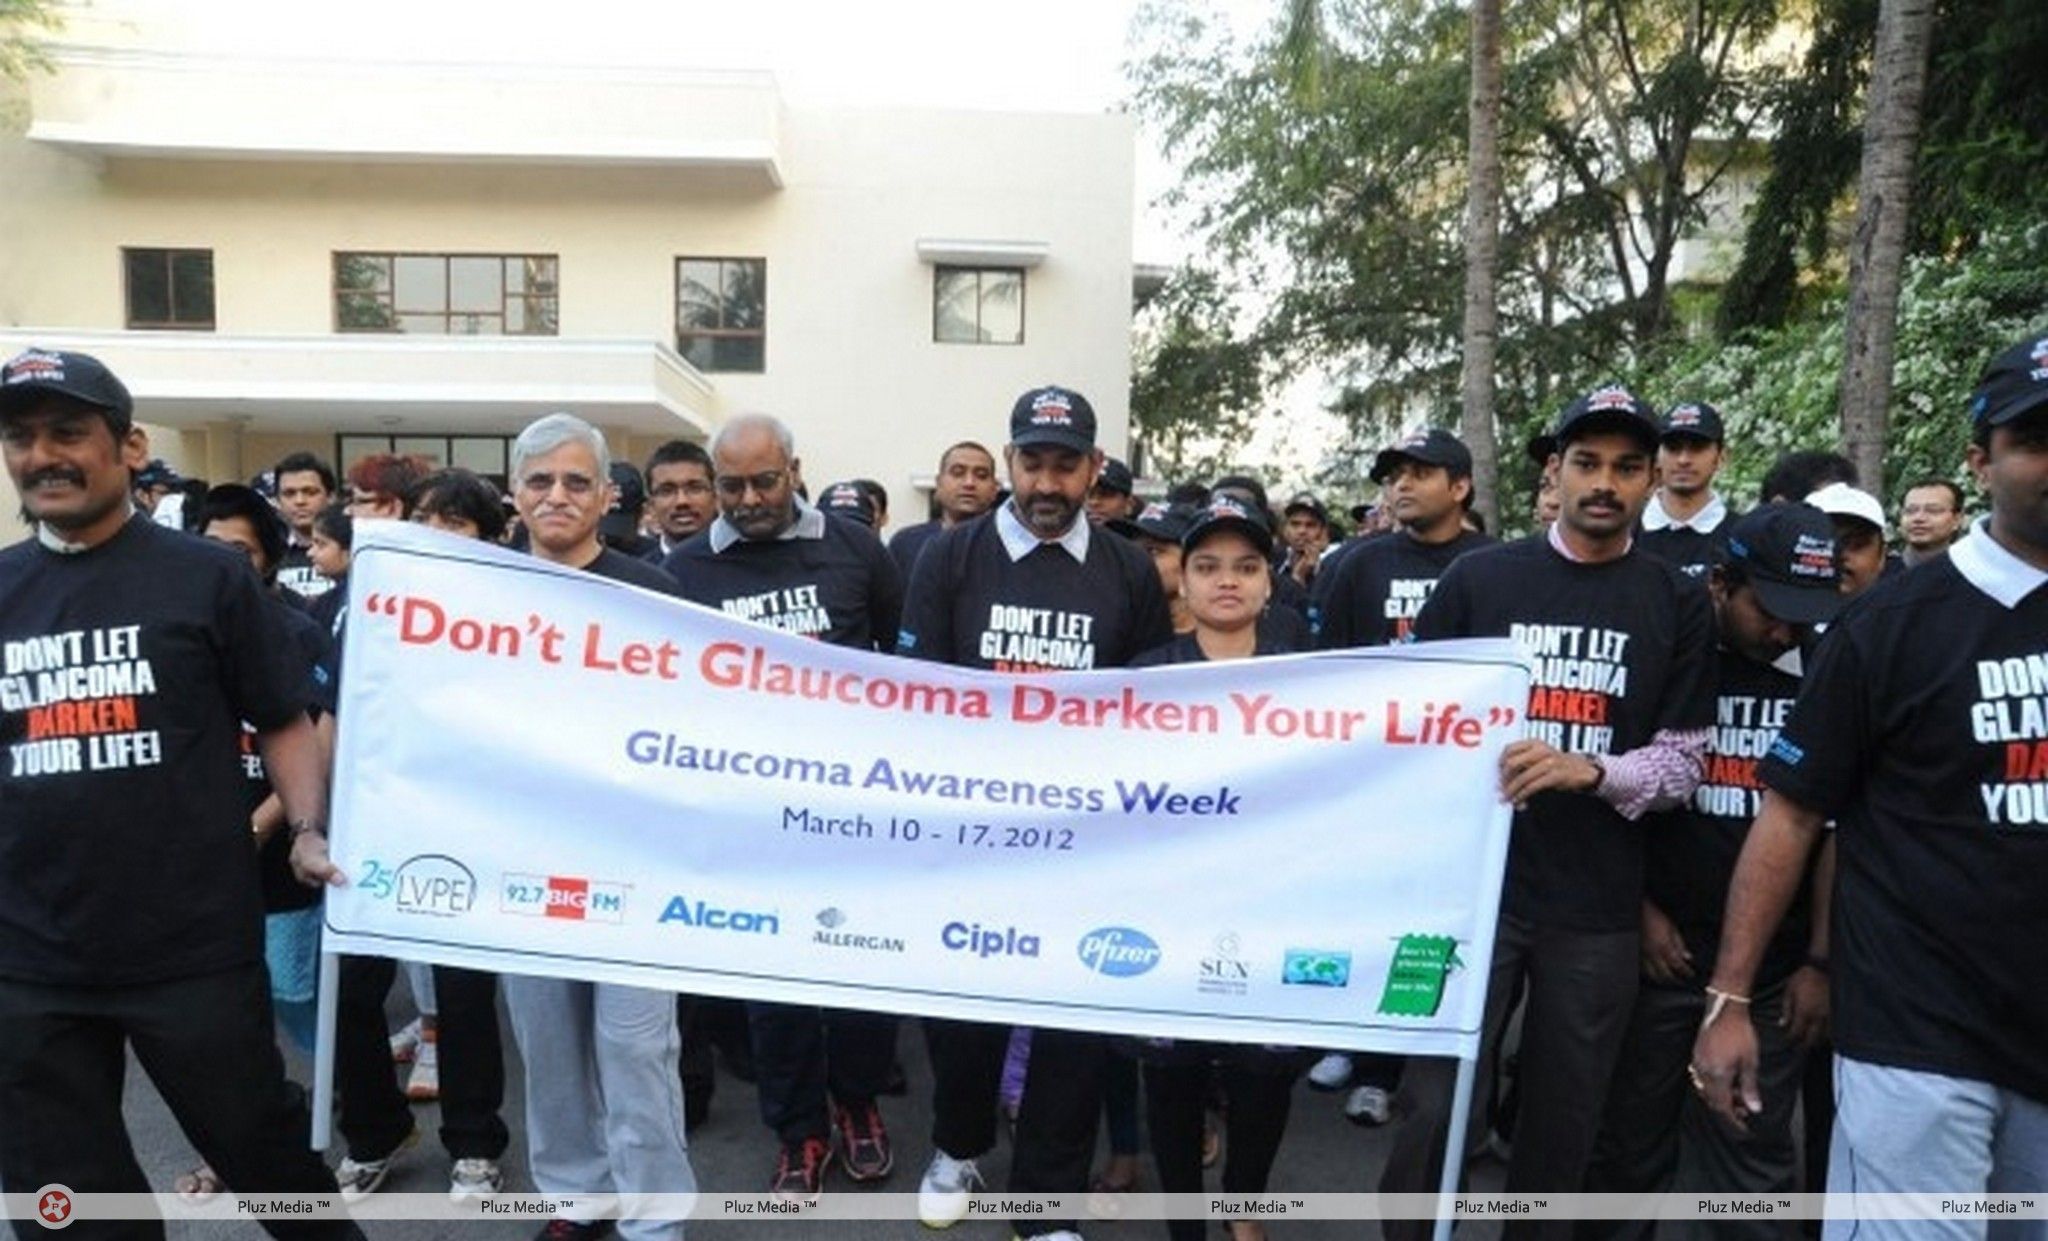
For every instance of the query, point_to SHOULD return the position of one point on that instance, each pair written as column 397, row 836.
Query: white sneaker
column 942, row 1194
column 474, row 1179
column 1331, row 1072
column 423, row 1084
column 1368, row 1106
column 358, row 1179
column 406, row 1043
column 1064, row 1234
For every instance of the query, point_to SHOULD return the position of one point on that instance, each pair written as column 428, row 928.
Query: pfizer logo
column 1118, row 952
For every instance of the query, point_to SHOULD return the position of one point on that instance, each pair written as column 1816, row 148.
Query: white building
column 349, row 258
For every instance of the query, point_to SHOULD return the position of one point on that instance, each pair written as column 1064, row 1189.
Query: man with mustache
column 131, row 914
column 771, row 558
column 1030, row 587
column 1620, row 710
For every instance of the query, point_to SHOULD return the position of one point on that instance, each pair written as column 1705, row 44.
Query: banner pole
column 328, row 1004
column 1454, row 1145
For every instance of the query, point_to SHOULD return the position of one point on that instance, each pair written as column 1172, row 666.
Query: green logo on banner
column 1415, row 980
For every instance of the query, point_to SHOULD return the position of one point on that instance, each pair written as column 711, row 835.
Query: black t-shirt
column 1374, row 592
column 281, row 891
column 1621, row 650
column 295, row 572
column 1693, row 551
column 1184, row 649
column 1692, row 852
column 968, row 604
column 906, row 544
column 1922, row 729
column 619, row 567
column 842, row 587
column 125, row 674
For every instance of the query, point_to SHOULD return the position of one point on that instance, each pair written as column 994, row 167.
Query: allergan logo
column 830, row 935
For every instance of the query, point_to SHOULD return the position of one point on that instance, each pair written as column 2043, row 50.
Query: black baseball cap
column 1435, row 446
column 1610, row 407
column 1693, row 420
column 1156, row 521
column 1116, row 477
column 157, row 473
column 1787, row 552
column 1053, row 416
column 2014, row 385
column 1306, row 503
column 621, row 522
column 849, row 501
column 1225, row 513
column 79, row 376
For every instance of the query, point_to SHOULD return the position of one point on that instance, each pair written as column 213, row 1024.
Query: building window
column 447, row 294
column 978, row 305
column 722, row 313
column 487, row 455
column 169, row 288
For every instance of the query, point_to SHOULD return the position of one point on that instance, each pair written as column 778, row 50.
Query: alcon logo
column 711, row 918
column 1118, row 952
column 987, row 941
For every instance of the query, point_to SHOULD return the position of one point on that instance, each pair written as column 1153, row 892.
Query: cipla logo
column 988, row 942
column 1118, row 952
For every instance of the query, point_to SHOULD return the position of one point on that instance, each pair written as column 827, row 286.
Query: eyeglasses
column 694, row 487
column 733, row 486
column 542, row 483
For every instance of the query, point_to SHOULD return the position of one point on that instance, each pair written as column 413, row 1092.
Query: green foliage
column 1776, row 387
column 23, row 24
column 1196, row 385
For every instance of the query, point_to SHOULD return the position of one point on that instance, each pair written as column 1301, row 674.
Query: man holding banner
column 1030, row 587
column 773, row 559
column 131, row 914
column 604, row 1099
column 1621, row 647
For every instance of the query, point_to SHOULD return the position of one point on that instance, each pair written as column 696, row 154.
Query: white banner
column 548, row 773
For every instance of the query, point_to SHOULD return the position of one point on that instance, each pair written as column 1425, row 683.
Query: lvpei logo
column 562, row 896
column 1118, row 952
column 432, row 884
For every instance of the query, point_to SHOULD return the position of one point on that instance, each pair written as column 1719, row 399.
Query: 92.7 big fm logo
column 433, row 885
column 568, row 897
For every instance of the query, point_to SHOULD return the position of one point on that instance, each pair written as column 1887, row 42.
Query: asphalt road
column 733, row 1152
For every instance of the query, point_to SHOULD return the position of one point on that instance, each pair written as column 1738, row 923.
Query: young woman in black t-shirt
column 1226, row 582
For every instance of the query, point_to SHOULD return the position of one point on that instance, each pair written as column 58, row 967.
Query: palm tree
column 1482, row 260
column 1877, row 252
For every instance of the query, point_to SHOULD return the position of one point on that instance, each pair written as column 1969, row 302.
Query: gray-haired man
column 604, row 1104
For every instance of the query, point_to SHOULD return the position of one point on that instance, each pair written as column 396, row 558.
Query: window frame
column 169, row 255
column 448, row 314
column 941, row 270
column 721, row 333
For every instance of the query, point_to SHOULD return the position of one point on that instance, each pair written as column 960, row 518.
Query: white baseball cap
column 1842, row 500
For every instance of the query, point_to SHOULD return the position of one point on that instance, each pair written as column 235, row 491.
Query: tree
column 1196, row 384
column 1329, row 161
column 22, row 25
column 1482, row 259
column 1877, row 255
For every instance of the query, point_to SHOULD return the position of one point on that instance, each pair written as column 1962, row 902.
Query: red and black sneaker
column 863, row 1142
column 574, row 1230
column 800, row 1171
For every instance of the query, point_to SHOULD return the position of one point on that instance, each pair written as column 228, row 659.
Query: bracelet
column 305, row 827
column 1721, row 1000
column 1815, row 961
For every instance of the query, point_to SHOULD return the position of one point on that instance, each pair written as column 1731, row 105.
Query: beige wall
column 850, row 359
